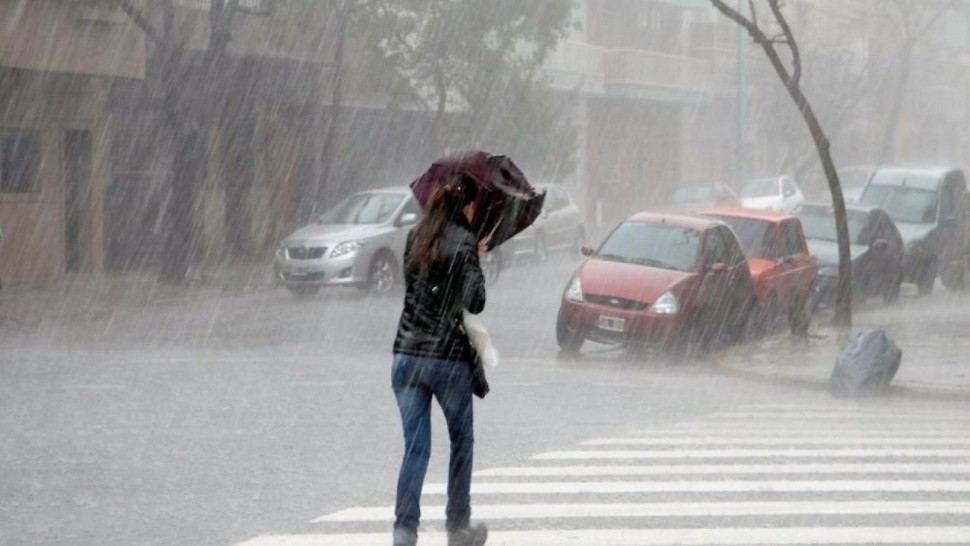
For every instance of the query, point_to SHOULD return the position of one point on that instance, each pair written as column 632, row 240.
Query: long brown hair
column 446, row 204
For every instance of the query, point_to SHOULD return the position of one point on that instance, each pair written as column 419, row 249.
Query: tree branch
column 137, row 17
column 750, row 25
column 796, row 60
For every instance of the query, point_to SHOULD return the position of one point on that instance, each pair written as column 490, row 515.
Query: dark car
column 876, row 248
column 927, row 206
column 661, row 280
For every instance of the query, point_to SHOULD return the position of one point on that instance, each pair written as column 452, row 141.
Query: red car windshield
column 654, row 245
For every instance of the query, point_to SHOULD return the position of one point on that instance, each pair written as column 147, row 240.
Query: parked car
column 777, row 193
column 661, row 280
column 782, row 269
column 927, row 206
column 876, row 249
column 359, row 242
column 853, row 180
column 559, row 227
column 694, row 197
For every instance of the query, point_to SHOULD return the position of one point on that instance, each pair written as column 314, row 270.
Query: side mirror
column 788, row 193
column 880, row 245
column 408, row 219
column 587, row 251
column 719, row 268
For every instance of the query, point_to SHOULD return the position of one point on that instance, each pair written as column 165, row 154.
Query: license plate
column 612, row 324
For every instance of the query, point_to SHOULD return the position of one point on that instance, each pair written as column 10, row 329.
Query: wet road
column 212, row 421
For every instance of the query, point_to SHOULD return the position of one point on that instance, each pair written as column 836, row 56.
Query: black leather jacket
column 431, row 323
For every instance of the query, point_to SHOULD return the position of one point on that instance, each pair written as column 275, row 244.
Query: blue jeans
column 415, row 380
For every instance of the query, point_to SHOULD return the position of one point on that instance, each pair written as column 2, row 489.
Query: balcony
column 658, row 76
column 576, row 65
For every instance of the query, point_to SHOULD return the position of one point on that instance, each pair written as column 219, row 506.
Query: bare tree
column 913, row 19
column 791, row 78
column 184, row 95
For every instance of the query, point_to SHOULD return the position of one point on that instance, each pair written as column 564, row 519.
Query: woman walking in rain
column 434, row 359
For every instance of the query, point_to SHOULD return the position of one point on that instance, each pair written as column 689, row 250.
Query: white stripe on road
column 660, row 509
column 757, row 469
column 843, row 417
column 721, row 486
column 756, row 536
column 755, row 430
column 777, row 440
column 741, row 453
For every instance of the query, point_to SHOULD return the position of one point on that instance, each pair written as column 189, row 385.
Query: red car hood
column 628, row 281
column 758, row 266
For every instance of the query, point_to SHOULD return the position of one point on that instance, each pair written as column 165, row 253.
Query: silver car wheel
column 382, row 274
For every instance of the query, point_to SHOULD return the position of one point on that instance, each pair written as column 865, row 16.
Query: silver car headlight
column 666, row 304
column 346, row 247
column 575, row 291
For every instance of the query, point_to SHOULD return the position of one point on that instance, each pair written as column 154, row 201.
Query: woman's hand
column 483, row 248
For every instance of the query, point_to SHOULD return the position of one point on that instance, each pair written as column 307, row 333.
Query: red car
column 661, row 280
column 783, row 270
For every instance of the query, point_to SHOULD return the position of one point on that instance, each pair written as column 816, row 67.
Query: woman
column 433, row 357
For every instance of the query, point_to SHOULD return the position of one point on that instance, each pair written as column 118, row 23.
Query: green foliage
column 477, row 66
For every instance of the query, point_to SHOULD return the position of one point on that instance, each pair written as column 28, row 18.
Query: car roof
column 828, row 206
column 934, row 172
column 753, row 214
column 680, row 220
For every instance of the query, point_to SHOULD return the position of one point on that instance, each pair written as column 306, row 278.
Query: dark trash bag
column 866, row 366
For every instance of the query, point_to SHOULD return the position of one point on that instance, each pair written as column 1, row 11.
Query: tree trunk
column 843, row 304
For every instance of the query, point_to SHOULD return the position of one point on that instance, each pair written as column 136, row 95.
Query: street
column 236, row 418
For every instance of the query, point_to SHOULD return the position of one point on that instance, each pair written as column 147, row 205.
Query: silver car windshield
column 363, row 208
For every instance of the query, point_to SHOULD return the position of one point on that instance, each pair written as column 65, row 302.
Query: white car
column 559, row 227
column 777, row 193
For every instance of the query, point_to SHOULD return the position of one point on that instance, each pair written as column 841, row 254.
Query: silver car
column 559, row 227
column 359, row 242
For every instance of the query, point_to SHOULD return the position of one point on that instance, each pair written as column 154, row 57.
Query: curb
column 903, row 391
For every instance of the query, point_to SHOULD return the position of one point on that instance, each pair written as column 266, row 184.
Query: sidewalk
column 934, row 335
column 88, row 298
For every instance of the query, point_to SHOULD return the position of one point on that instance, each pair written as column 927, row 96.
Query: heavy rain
column 258, row 259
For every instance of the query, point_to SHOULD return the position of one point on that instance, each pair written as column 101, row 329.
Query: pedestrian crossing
column 762, row 474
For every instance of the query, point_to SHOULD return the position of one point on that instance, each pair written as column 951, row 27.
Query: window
column 757, row 237
column 653, row 245
column 19, row 161
column 363, row 208
column 717, row 251
column 791, row 240
column 734, row 252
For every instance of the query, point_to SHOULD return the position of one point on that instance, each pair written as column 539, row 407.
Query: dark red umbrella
column 506, row 204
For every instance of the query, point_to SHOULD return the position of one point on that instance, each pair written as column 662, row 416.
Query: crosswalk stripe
column 756, row 536
column 744, row 415
column 661, row 509
column 794, row 430
column 742, row 453
column 756, row 469
column 721, row 486
column 777, row 440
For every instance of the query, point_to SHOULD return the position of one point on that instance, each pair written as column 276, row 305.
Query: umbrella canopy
column 506, row 204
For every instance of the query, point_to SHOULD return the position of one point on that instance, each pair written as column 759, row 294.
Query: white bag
column 480, row 340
